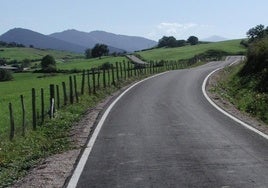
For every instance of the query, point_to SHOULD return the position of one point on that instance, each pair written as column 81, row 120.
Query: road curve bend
column 164, row 133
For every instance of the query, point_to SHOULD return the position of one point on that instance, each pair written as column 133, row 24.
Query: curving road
column 164, row 133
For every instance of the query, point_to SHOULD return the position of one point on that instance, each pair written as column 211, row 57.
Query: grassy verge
column 241, row 92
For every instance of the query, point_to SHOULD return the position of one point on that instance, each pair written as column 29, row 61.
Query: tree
column 181, row 43
column 5, row 75
column 257, row 32
column 88, row 53
column 99, row 50
column 257, row 57
column 170, row 42
column 48, row 64
column 167, row 42
column 193, row 40
column 162, row 42
column 25, row 63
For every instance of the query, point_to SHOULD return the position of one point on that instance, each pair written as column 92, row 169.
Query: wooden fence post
column 88, row 82
column 125, row 70
column 83, row 82
column 104, row 78
column 98, row 78
column 23, row 115
column 12, row 124
column 75, row 89
column 113, row 80
column 94, row 81
column 34, row 108
column 42, row 106
column 71, row 90
column 109, row 79
column 121, row 70
column 52, row 100
column 58, row 96
column 65, row 99
column 117, row 71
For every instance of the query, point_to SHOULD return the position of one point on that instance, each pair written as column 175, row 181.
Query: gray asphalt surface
column 136, row 60
column 164, row 133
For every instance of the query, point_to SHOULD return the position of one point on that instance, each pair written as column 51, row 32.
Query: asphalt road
column 136, row 60
column 164, row 133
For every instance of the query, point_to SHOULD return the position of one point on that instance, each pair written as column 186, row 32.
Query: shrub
column 106, row 66
column 257, row 57
column 5, row 75
column 48, row 64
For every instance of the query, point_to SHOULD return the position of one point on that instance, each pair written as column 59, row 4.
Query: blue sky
column 147, row 18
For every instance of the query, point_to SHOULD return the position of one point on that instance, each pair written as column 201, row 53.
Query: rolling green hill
column 20, row 54
column 187, row 52
column 82, row 63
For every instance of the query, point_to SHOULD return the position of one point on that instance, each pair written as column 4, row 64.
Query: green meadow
column 187, row 52
column 20, row 54
column 83, row 63
column 22, row 85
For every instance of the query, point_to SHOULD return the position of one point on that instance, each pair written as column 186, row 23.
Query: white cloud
column 178, row 30
column 175, row 26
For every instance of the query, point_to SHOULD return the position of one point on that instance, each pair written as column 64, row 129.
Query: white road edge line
column 226, row 113
column 81, row 164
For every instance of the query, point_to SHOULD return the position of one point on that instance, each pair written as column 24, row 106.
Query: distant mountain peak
column 127, row 43
column 28, row 37
column 77, row 41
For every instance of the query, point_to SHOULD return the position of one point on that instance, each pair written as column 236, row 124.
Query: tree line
column 11, row 44
column 170, row 41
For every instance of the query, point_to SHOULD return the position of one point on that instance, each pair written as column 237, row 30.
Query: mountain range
column 77, row 41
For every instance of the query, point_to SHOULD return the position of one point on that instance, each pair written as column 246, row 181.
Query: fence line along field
column 23, row 84
column 74, row 85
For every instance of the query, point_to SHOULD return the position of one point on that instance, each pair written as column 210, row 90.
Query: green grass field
column 22, row 85
column 20, row 54
column 186, row 52
column 83, row 63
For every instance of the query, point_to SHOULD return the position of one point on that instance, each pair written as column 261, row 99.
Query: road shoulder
column 229, row 107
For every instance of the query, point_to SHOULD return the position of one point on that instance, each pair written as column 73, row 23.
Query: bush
column 257, row 57
column 106, row 66
column 48, row 64
column 5, row 75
